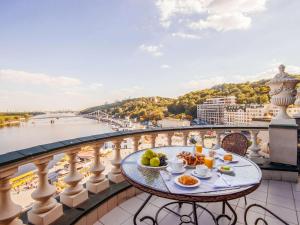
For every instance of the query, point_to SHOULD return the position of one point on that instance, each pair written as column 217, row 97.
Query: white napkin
column 226, row 181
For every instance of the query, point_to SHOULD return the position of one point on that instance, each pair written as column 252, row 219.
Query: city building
column 242, row 114
column 212, row 110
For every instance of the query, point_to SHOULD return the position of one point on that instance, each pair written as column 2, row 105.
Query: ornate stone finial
column 282, row 74
column 282, row 92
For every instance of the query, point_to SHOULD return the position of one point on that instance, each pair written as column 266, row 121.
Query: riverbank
column 13, row 119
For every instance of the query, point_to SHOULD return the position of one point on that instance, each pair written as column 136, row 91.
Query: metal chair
column 236, row 143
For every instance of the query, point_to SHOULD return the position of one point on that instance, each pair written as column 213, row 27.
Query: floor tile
column 263, row 186
column 132, row 205
column 251, row 201
column 274, row 221
column 130, row 222
column 151, row 210
column 280, row 188
column 251, row 216
column 206, row 219
column 115, row 217
column 281, row 201
column 258, row 195
column 159, row 202
column 284, row 213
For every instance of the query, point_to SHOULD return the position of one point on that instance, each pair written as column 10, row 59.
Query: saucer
column 169, row 169
column 208, row 175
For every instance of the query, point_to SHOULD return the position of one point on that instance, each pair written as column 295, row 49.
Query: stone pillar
column 9, row 211
column 75, row 194
column 283, row 144
column 254, row 148
column 97, row 182
column 136, row 140
column 185, row 138
column 115, row 173
column 169, row 136
column 46, row 209
column 153, row 140
column 218, row 140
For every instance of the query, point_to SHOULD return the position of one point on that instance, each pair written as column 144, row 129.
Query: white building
column 242, row 114
column 212, row 110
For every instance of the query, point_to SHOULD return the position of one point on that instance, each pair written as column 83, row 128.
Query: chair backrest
column 235, row 143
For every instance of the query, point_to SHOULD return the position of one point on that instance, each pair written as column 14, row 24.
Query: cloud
column 220, row 15
column 37, row 78
column 165, row 66
column 185, row 35
column 95, row 86
column 223, row 22
column 154, row 50
column 202, row 83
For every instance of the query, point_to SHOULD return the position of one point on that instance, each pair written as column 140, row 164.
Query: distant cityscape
column 225, row 111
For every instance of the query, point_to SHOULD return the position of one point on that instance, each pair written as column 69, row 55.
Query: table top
column 151, row 181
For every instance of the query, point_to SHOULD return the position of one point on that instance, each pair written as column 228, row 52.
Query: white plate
column 225, row 171
column 235, row 159
column 186, row 186
column 151, row 167
column 208, row 175
column 169, row 169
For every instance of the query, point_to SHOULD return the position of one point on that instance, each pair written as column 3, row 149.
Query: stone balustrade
column 47, row 209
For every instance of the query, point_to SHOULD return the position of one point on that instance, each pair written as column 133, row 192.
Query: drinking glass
column 209, row 162
column 199, row 148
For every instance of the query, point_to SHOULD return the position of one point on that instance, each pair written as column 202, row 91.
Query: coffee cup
column 202, row 170
column 177, row 164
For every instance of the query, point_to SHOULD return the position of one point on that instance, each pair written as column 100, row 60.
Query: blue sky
column 71, row 54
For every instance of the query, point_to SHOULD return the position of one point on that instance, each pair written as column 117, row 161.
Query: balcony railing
column 76, row 193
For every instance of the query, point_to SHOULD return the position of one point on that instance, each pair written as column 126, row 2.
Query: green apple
column 154, row 162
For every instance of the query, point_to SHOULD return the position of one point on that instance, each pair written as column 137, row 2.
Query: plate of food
column 228, row 157
column 225, row 169
column 187, row 181
column 191, row 159
column 153, row 160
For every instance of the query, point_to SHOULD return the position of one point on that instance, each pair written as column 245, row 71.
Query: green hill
column 185, row 106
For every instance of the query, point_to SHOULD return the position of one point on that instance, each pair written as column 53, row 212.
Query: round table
column 151, row 181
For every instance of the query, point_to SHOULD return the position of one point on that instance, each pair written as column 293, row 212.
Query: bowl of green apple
column 153, row 160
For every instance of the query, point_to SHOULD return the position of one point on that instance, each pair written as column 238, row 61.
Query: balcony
column 102, row 196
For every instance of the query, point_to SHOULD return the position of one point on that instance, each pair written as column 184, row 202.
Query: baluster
column 75, row 193
column 46, row 209
column 254, row 148
column 218, row 140
column 9, row 211
column 136, row 141
column 115, row 173
column 97, row 181
column 153, row 140
column 169, row 136
column 202, row 135
column 185, row 138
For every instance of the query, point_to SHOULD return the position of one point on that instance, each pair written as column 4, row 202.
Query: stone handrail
column 46, row 209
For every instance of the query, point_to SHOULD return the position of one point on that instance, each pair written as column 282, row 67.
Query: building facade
column 212, row 110
column 242, row 114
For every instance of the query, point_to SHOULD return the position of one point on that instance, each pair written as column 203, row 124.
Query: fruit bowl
column 152, row 167
column 153, row 160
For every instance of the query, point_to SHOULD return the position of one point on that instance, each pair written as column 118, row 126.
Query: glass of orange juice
column 209, row 162
column 199, row 148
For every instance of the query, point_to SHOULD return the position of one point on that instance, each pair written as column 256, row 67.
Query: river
column 39, row 130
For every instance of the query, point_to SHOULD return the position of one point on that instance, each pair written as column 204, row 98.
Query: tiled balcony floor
column 282, row 198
